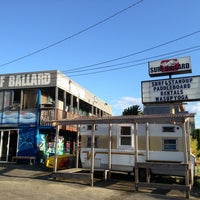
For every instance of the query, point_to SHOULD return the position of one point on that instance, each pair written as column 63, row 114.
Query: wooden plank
column 30, row 158
column 182, row 188
column 168, row 166
column 71, row 170
column 174, row 169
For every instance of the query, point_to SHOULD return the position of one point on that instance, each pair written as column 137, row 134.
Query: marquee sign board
column 171, row 90
column 170, row 66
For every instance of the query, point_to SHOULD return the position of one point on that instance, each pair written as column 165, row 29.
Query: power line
column 134, row 61
column 130, row 66
column 73, row 35
column 138, row 52
column 174, row 54
column 107, row 70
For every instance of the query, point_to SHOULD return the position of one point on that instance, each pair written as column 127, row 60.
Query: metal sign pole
column 172, row 108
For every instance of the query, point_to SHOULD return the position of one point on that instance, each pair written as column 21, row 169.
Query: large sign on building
column 171, row 90
column 28, row 80
column 170, row 66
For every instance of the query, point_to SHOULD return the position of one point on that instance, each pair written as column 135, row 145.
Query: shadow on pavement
column 24, row 171
column 121, row 182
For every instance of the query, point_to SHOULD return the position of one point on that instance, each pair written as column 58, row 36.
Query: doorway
column 8, row 144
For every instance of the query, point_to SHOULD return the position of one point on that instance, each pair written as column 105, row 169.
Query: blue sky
column 29, row 26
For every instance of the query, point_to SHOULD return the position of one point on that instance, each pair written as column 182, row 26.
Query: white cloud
column 125, row 102
column 193, row 107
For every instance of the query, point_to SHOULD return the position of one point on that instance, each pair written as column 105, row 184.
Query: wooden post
column 185, row 148
column 147, row 141
column 77, row 145
column 148, row 176
column 136, row 177
column 56, row 149
column 136, row 155
column 147, row 152
column 188, row 140
column 136, row 141
column 172, row 108
column 92, row 154
column 110, row 149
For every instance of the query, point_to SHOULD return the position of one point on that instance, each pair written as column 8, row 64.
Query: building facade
column 28, row 100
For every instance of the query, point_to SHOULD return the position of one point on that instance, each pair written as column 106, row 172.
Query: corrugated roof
column 157, row 118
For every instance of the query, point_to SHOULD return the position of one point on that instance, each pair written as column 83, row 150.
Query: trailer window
column 89, row 127
column 125, row 136
column 169, row 144
column 168, row 129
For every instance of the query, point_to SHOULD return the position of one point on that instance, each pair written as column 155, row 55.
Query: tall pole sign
column 173, row 89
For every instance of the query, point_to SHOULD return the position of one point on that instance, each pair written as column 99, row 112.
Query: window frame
column 30, row 99
column 168, row 144
column 131, row 136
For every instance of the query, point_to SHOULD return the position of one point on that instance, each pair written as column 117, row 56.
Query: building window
column 29, row 99
column 17, row 96
column 16, row 100
column 125, row 136
column 170, row 144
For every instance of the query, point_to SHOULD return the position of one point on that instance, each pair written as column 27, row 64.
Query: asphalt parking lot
column 22, row 182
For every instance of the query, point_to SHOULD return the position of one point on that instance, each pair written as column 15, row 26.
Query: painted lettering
column 29, row 80
column 172, row 98
column 11, row 81
column 170, row 90
column 155, row 70
column 47, row 78
column 18, row 81
column 34, row 79
column 2, row 80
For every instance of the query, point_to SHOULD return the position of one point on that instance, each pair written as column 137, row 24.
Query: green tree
column 197, row 137
column 132, row 110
